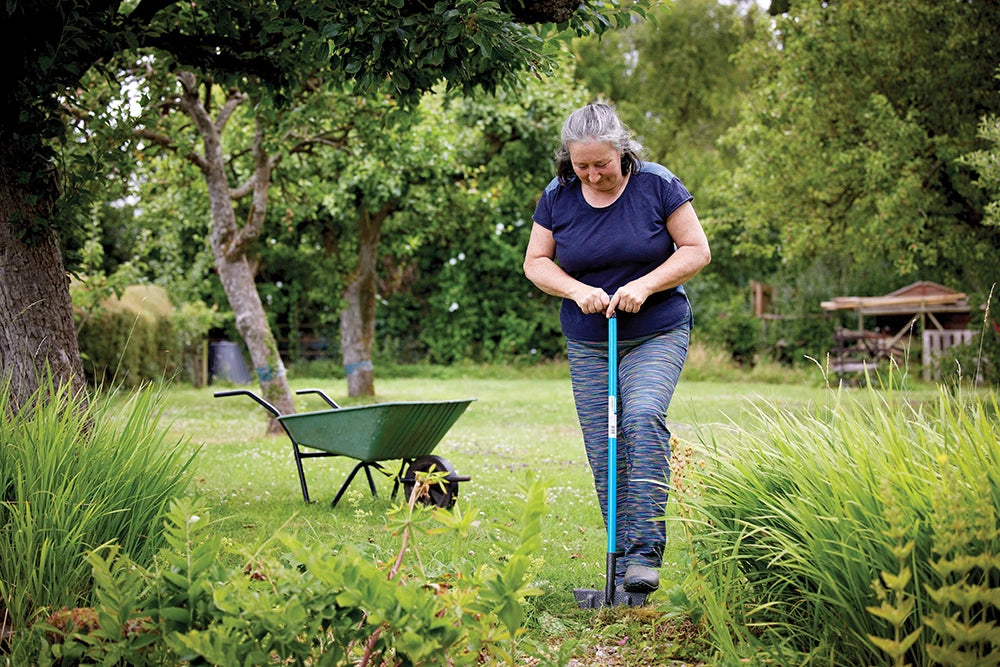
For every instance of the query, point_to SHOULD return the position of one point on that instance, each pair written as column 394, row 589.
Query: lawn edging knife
column 589, row 598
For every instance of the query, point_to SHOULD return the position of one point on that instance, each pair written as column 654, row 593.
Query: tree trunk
column 251, row 321
column 230, row 242
column 238, row 281
column 36, row 313
column 357, row 321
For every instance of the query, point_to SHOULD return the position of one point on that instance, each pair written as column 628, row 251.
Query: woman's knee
column 644, row 419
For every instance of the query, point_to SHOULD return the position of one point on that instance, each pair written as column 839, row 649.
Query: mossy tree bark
column 357, row 320
column 230, row 241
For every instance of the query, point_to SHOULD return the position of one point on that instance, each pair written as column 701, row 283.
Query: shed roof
column 922, row 296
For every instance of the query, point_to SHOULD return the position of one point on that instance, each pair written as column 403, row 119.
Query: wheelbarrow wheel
column 443, row 493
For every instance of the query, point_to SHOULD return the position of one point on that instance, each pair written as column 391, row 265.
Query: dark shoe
column 641, row 579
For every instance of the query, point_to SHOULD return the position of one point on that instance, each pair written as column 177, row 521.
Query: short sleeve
column 673, row 194
column 543, row 211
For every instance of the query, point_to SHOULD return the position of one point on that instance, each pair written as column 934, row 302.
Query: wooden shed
column 923, row 315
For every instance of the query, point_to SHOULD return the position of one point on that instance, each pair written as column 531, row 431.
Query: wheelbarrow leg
column 350, row 478
column 371, row 482
column 302, row 474
column 398, row 477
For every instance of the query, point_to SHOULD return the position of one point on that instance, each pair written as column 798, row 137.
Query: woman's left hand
column 629, row 298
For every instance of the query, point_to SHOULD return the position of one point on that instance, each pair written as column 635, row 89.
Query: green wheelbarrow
column 373, row 434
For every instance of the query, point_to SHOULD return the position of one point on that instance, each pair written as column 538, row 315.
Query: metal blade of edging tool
column 627, row 599
column 589, row 598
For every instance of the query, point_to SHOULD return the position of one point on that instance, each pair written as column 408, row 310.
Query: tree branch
column 193, row 105
column 261, row 182
column 243, row 190
column 211, row 52
column 306, row 144
column 387, row 209
column 235, row 99
column 75, row 111
column 164, row 141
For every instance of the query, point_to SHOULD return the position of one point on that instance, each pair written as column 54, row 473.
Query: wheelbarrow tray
column 376, row 432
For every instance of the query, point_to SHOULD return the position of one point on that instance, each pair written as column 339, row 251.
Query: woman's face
column 598, row 164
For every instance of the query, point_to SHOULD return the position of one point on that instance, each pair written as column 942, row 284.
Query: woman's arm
column 690, row 257
column 540, row 268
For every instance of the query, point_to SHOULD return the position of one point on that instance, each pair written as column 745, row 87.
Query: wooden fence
column 935, row 343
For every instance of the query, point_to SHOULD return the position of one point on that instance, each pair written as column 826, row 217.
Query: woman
column 626, row 237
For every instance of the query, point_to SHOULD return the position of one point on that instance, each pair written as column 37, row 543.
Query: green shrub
column 73, row 477
column 730, row 324
column 793, row 341
column 791, row 524
column 129, row 340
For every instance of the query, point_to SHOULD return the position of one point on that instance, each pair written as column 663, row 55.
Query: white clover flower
column 453, row 307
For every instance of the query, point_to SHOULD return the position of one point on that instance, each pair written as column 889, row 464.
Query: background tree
column 230, row 241
column 48, row 46
column 233, row 171
column 986, row 162
column 461, row 175
column 850, row 142
column 375, row 172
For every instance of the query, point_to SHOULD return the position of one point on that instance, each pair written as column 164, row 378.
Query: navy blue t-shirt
column 608, row 247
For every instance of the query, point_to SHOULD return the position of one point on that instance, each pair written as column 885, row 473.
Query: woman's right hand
column 591, row 299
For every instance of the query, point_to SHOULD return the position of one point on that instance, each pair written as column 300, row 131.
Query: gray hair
column 597, row 122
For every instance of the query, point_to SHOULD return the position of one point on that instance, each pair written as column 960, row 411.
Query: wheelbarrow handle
column 240, row 392
column 322, row 395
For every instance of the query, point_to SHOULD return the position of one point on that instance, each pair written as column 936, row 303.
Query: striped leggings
column 648, row 371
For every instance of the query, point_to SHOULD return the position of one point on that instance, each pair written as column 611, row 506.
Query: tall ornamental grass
column 75, row 476
column 859, row 532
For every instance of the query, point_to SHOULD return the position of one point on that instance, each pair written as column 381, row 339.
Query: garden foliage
column 75, row 477
column 853, row 533
column 976, row 361
column 311, row 606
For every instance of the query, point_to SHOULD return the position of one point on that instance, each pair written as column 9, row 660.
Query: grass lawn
column 515, row 425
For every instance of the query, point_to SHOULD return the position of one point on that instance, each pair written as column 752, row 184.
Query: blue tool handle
column 612, row 433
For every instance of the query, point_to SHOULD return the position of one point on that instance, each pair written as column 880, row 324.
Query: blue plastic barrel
column 226, row 364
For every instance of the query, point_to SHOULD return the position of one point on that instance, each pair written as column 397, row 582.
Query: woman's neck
column 603, row 198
